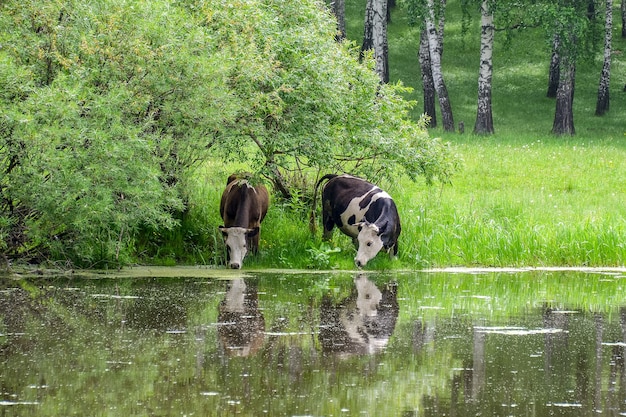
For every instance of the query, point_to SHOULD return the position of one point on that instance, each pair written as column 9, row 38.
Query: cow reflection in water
column 363, row 322
column 241, row 325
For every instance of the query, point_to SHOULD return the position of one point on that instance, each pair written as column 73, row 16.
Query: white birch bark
column 435, row 58
column 602, row 106
column 379, row 35
column 375, row 36
column 428, row 85
column 442, row 24
column 484, row 118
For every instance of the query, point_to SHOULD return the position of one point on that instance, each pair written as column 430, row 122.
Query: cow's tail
column 312, row 223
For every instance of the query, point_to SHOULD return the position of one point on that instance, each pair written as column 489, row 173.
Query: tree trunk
column 564, row 114
column 375, row 36
column 484, row 118
column 554, row 72
column 390, row 5
column 441, row 25
column 339, row 10
column 435, row 58
column 602, row 106
column 427, row 80
column 624, row 19
column 368, row 34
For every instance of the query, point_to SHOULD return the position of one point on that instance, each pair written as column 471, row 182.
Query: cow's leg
column 393, row 251
column 253, row 243
column 328, row 232
column 328, row 223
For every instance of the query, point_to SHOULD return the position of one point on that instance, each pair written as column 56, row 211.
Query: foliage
column 308, row 103
column 109, row 106
column 320, row 256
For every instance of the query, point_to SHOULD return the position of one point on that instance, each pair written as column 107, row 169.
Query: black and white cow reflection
column 363, row 322
column 241, row 324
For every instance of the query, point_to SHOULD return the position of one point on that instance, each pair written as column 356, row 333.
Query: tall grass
column 546, row 202
column 523, row 196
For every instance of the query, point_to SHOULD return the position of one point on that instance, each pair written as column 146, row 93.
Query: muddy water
column 197, row 342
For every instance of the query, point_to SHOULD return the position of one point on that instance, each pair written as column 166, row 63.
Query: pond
column 201, row 342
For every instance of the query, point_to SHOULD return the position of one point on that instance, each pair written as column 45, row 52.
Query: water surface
column 223, row 343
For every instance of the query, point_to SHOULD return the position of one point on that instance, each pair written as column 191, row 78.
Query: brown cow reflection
column 363, row 322
column 241, row 325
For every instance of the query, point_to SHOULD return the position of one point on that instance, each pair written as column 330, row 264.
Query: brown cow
column 240, row 321
column 243, row 208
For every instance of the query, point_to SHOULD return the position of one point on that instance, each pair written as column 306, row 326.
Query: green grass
column 522, row 198
column 549, row 202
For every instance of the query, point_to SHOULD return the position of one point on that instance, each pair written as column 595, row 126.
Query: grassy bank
column 521, row 203
column 516, row 202
column 523, row 196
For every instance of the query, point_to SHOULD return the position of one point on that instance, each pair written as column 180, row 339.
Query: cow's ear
column 252, row 232
column 359, row 225
column 223, row 230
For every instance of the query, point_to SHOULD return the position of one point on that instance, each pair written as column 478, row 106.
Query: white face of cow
column 370, row 243
column 358, row 322
column 236, row 243
column 368, row 296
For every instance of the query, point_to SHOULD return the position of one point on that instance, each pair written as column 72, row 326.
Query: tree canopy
column 108, row 105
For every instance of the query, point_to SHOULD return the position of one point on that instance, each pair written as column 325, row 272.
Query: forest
column 572, row 38
column 120, row 121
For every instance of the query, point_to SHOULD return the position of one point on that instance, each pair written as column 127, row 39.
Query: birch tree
column 427, row 80
column 339, row 10
column 623, row 9
column 554, row 71
column 564, row 113
column 602, row 105
column 569, row 20
column 484, row 118
column 375, row 36
column 435, row 49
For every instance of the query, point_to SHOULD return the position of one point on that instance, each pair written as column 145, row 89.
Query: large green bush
column 108, row 105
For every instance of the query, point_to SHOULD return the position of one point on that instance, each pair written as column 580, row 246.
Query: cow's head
column 370, row 242
column 236, row 241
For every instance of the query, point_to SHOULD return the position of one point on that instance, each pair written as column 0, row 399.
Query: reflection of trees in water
column 16, row 306
column 576, row 358
column 157, row 309
column 58, row 310
column 363, row 322
column 569, row 349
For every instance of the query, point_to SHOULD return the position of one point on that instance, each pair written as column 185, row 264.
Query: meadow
column 522, row 197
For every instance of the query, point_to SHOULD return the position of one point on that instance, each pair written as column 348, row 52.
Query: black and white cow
column 243, row 208
column 362, row 211
column 363, row 322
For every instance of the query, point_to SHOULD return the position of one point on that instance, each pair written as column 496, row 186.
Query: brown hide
column 241, row 324
column 243, row 205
